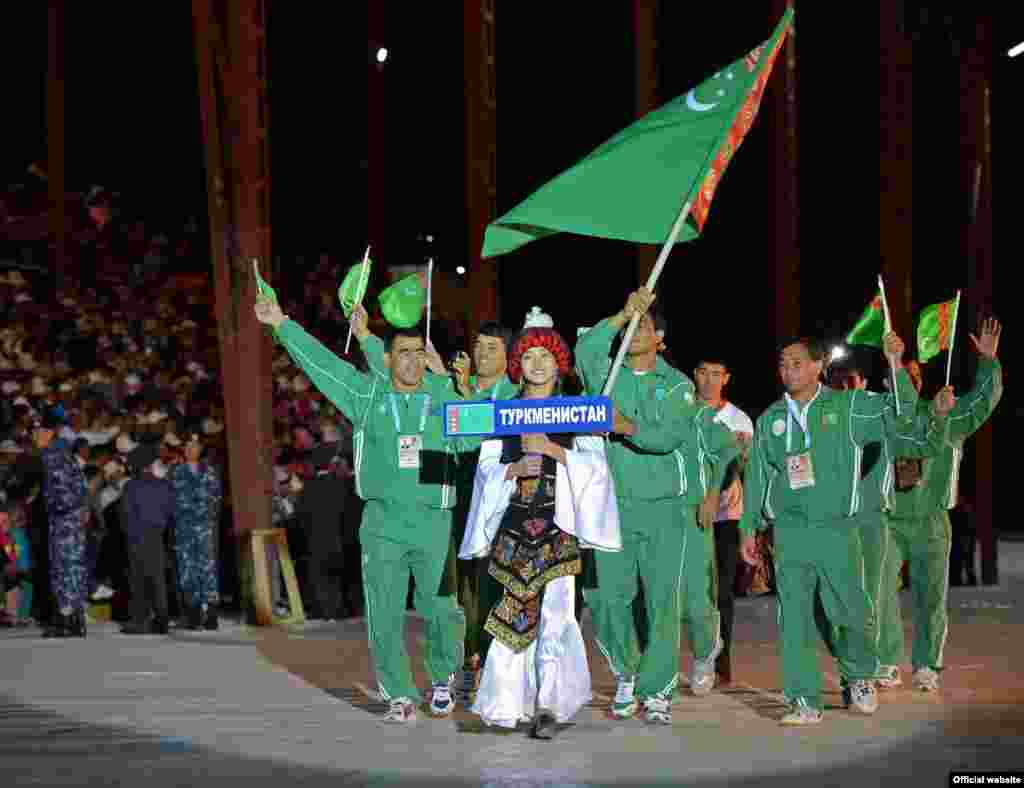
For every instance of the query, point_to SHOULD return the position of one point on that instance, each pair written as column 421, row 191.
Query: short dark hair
column 409, row 333
column 492, row 328
column 712, row 359
column 815, row 347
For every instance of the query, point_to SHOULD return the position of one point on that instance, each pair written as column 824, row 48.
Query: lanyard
column 801, row 419
column 423, row 414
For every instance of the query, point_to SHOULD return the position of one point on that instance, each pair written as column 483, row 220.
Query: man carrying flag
column 659, row 458
column 925, row 491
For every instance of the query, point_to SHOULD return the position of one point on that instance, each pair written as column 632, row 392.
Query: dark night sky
column 564, row 85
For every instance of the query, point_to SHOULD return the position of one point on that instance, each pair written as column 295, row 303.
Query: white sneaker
column 801, row 714
column 889, row 677
column 402, row 711
column 102, row 593
column 442, row 702
column 702, row 678
column 861, row 697
column 625, row 704
column 658, row 709
column 926, row 680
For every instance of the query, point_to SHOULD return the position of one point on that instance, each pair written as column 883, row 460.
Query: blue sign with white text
column 524, row 416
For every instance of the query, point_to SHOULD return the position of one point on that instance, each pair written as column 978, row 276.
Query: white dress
column 552, row 672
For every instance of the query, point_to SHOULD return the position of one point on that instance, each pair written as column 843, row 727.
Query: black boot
column 76, row 627
column 544, row 725
column 210, row 621
column 58, row 627
column 160, row 626
column 195, row 617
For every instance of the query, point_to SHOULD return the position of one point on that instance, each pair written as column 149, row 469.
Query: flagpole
column 430, row 281
column 888, row 328
column 952, row 338
column 364, row 276
column 651, row 282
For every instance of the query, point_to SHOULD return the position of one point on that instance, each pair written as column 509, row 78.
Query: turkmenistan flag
column 935, row 329
column 871, row 327
column 402, row 303
column 633, row 186
column 353, row 287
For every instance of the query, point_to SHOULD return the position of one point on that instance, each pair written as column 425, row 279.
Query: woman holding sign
column 538, row 500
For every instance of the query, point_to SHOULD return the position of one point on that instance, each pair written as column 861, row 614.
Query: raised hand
column 268, row 312
column 434, row 362
column 944, row 402
column 460, row 366
column 988, row 345
column 360, row 322
column 894, row 348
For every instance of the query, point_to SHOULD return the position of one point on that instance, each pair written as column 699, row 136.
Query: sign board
column 524, row 416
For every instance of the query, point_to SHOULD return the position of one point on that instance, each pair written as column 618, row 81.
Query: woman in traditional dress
column 538, row 500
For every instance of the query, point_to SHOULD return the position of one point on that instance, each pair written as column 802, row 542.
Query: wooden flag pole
column 888, row 328
column 651, row 282
column 364, row 276
column 952, row 338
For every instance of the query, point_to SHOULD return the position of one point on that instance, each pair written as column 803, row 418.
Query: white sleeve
column 585, row 502
column 491, row 494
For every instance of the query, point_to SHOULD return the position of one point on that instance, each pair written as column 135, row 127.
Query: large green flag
column 934, row 329
column 871, row 327
column 632, row 187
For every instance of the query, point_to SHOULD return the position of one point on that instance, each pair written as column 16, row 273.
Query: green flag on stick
column 402, row 303
column 631, row 187
column 871, row 327
column 353, row 287
column 934, row 329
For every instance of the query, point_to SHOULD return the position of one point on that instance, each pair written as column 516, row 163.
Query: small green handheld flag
column 402, row 303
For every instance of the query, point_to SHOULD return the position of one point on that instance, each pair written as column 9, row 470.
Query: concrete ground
column 256, row 707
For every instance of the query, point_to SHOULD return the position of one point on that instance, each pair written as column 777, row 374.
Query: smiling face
column 540, row 367
column 489, row 356
column 799, row 372
column 408, row 361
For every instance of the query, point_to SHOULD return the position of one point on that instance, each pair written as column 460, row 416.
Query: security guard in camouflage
column 197, row 498
column 64, row 492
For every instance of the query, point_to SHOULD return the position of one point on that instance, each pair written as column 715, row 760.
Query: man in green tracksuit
column 804, row 474
column 925, row 491
column 477, row 591
column 404, row 470
column 659, row 459
column 876, row 490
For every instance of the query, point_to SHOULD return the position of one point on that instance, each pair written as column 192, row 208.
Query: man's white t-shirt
column 737, row 421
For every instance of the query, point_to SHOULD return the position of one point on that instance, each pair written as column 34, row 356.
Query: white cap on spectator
column 10, row 387
column 22, row 401
column 280, row 474
column 22, row 298
column 125, row 444
column 66, row 387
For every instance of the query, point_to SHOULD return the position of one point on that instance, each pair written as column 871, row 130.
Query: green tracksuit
column 476, row 590
column 661, row 475
column 407, row 521
column 881, row 567
column 818, row 520
column 921, row 529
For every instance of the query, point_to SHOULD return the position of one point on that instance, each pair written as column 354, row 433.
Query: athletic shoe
column 658, row 709
column 702, row 678
column 801, row 714
column 625, row 704
column 102, row 593
column 860, row 696
column 890, row 678
column 926, row 680
column 442, row 702
column 402, row 711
